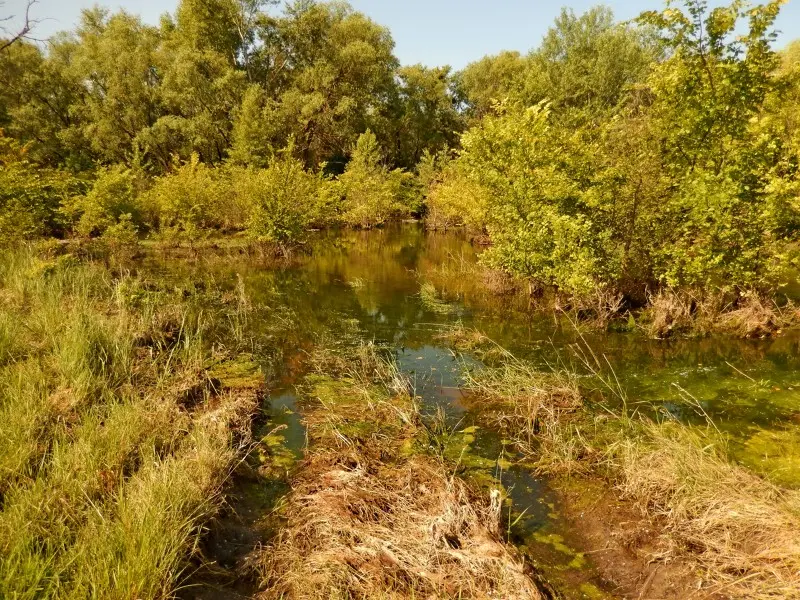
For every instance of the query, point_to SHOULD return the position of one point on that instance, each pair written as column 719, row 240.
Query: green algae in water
column 243, row 372
column 592, row 592
column 775, row 454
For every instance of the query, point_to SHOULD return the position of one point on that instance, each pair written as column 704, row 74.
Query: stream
column 401, row 287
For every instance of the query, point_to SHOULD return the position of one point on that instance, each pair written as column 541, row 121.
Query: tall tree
column 588, row 60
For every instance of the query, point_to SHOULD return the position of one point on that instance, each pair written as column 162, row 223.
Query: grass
column 740, row 531
column 372, row 513
column 116, row 440
column 670, row 313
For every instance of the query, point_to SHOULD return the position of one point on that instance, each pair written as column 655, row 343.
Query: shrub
column 194, row 197
column 113, row 194
column 457, row 200
column 369, row 190
column 541, row 208
column 30, row 197
column 285, row 200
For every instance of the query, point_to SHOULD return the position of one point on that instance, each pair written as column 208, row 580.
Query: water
column 401, row 287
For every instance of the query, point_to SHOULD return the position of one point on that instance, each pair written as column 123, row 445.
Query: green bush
column 113, row 194
column 194, row 197
column 457, row 200
column 30, row 196
column 285, row 200
column 541, row 210
column 369, row 190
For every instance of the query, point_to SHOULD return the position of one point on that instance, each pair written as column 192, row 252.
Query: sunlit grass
column 111, row 456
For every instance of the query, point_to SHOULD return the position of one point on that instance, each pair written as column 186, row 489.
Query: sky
column 432, row 32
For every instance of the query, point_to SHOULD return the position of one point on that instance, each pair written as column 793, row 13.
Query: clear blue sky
column 433, row 32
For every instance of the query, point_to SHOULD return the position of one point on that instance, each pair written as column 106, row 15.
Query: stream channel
column 401, row 287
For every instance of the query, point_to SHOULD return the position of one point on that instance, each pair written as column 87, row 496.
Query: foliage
column 539, row 212
column 30, row 196
column 193, row 196
column 490, row 80
column 426, row 119
column 587, row 61
column 370, row 191
column 686, row 179
column 286, row 199
column 457, row 199
column 112, row 195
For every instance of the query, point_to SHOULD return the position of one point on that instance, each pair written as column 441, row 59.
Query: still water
column 401, row 287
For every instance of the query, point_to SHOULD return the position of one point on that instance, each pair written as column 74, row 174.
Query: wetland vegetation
column 283, row 318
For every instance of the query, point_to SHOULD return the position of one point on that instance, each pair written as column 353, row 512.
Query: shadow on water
column 401, row 287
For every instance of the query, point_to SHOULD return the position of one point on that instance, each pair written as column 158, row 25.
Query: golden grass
column 372, row 515
column 741, row 533
column 361, row 529
column 670, row 313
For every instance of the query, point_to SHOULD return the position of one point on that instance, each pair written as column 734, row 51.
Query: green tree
column 706, row 101
column 368, row 188
column 340, row 70
column 587, row 61
column 115, row 59
column 38, row 102
column 490, row 80
column 426, row 119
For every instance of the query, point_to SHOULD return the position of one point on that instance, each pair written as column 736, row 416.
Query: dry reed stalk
column 369, row 518
column 361, row 528
column 742, row 530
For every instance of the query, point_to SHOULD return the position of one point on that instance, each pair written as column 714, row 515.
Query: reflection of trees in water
column 370, row 280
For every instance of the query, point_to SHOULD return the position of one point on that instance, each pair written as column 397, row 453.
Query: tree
column 115, row 59
column 22, row 32
column 40, row 101
column 340, row 76
column 426, row 117
column 587, row 61
column 490, row 80
column 369, row 189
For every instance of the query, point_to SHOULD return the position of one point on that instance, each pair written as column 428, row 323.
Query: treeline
column 630, row 158
column 624, row 158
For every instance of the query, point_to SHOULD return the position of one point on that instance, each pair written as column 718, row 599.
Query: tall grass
column 740, row 531
column 113, row 444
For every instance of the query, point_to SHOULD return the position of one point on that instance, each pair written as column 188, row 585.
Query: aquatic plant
column 372, row 514
column 739, row 530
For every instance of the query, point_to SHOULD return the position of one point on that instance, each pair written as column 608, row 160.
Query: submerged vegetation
column 374, row 512
column 737, row 529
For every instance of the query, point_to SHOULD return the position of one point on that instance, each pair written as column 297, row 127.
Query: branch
column 27, row 27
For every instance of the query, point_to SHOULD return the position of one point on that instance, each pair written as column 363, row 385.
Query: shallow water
column 402, row 286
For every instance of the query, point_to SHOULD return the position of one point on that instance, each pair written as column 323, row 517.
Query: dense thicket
column 637, row 157
column 622, row 157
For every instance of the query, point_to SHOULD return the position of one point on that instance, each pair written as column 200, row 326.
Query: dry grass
column 757, row 317
column 527, row 401
column 671, row 313
column 364, row 529
column 371, row 515
column 739, row 531
column 743, row 531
